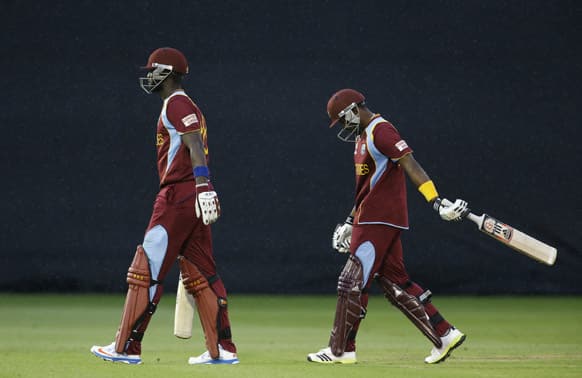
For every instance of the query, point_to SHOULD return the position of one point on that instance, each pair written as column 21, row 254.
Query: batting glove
column 207, row 204
column 342, row 236
column 451, row 211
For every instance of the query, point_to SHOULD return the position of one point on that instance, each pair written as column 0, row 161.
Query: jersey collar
column 376, row 119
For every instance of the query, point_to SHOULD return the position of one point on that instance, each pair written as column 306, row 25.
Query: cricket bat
column 184, row 313
column 513, row 238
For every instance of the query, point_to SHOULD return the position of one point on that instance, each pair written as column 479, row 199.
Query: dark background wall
column 487, row 93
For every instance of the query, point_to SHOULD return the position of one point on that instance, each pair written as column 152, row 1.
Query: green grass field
column 50, row 336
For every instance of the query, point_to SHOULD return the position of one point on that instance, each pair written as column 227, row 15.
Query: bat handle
column 478, row 220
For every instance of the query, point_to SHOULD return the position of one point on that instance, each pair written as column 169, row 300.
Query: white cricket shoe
column 325, row 356
column 108, row 353
column 225, row 357
column 452, row 339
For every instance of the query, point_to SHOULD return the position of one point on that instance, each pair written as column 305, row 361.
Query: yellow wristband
column 428, row 190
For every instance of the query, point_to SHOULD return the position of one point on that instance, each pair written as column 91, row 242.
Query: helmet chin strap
column 351, row 130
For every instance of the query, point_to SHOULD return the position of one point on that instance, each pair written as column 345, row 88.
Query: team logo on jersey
column 190, row 119
column 159, row 139
column 362, row 169
column 401, row 145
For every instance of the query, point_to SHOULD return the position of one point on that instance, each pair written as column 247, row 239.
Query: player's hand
column 451, row 211
column 207, row 204
column 342, row 236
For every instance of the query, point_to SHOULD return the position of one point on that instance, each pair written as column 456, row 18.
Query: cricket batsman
column 179, row 227
column 371, row 233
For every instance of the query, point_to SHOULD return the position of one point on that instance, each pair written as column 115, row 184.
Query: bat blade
column 533, row 247
column 515, row 239
column 184, row 312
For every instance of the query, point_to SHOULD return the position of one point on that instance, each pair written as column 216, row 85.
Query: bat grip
column 478, row 220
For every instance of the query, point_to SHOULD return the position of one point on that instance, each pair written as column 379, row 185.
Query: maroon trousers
column 388, row 262
column 174, row 215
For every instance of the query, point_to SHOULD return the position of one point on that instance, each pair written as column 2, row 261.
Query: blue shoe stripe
column 131, row 361
column 223, row 362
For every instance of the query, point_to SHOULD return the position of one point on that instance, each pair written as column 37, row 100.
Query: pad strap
column 436, row 319
column 424, row 298
column 137, row 332
column 225, row 334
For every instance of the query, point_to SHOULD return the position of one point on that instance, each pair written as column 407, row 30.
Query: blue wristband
column 201, row 171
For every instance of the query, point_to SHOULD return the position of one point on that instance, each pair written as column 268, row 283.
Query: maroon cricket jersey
column 380, row 181
column 179, row 116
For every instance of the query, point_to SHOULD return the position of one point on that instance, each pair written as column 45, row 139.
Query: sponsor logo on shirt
column 190, row 119
column 362, row 169
column 401, row 145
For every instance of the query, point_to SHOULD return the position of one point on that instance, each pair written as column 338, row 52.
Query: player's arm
column 426, row 187
column 417, row 175
column 207, row 204
column 193, row 140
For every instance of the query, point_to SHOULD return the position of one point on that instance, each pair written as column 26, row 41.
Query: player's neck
column 366, row 116
column 168, row 91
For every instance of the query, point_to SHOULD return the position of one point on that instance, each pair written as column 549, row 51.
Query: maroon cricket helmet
column 340, row 100
column 168, row 56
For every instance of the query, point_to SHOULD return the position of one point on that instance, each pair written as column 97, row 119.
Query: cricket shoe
column 325, row 356
column 108, row 353
column 225, row 358
column 450, row 341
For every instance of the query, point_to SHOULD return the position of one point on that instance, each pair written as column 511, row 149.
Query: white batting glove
column 451, row 211
column 342, row 236
column 207, row 204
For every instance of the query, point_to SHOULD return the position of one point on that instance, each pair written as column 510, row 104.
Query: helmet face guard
column 155, row 77
column 350, row 120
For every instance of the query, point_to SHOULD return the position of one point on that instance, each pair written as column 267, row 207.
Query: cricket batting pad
column 137, row 299
column 206, row 303
column 411, row 307
column 348, row 309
